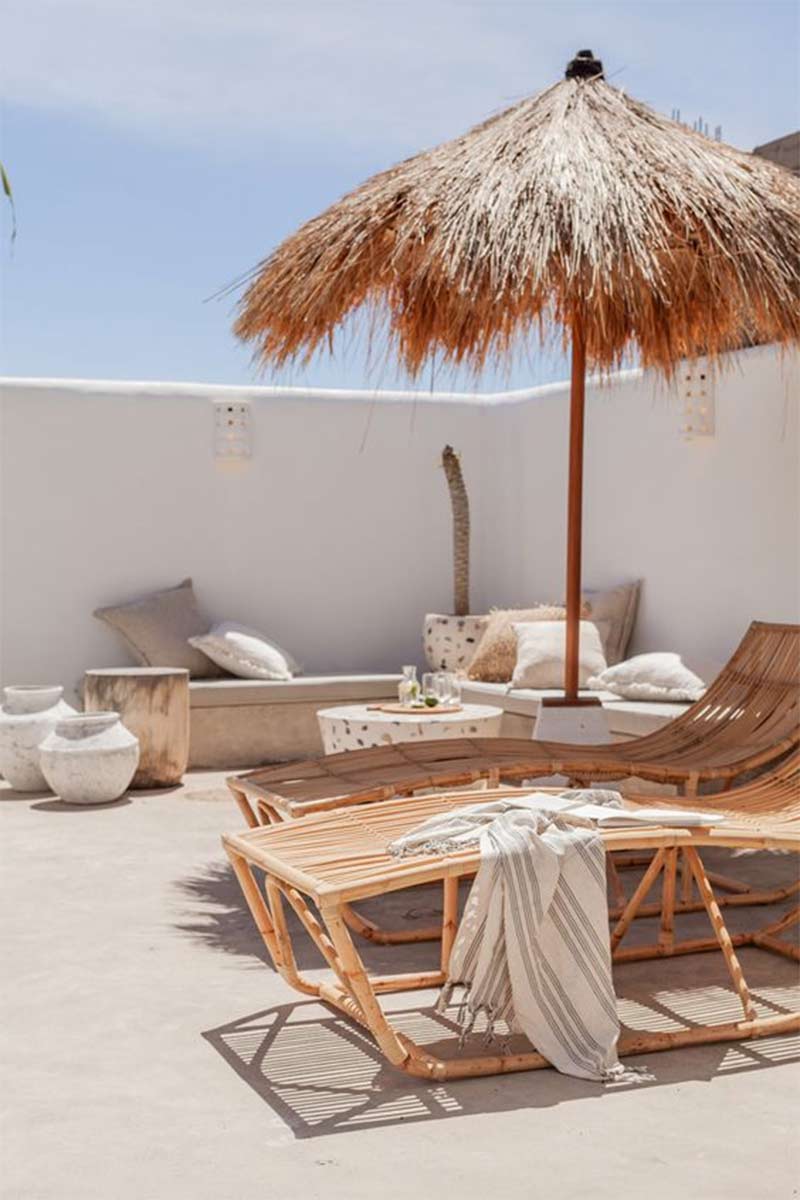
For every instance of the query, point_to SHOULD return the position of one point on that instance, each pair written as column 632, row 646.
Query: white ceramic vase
column 451, row 642
column 89, row 758
column 26, row 718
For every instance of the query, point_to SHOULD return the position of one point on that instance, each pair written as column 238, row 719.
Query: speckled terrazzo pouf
column 451, row 642
column 356, row 726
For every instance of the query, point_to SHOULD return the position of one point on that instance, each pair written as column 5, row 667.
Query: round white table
column 357, row 726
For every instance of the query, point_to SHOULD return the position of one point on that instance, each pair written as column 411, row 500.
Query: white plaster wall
column 711, row 525
column 112, row 490
column 336, row 537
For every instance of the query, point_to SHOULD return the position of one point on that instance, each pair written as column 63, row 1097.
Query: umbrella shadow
column 219, row 917
column 323, row 1075
column 220, row 920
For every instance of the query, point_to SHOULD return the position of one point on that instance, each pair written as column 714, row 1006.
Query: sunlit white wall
column 335, row 536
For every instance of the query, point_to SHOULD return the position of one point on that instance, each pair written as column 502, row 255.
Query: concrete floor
column 149, row 1052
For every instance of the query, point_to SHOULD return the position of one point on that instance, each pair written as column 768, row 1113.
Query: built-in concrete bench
column 626, row 718
column 249, row 722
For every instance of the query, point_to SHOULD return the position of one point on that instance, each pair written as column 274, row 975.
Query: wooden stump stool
column 153, row 703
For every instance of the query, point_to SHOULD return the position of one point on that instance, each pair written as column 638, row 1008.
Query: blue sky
column 159, row 148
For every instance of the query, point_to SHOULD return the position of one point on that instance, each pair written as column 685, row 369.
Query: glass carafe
column 408, row 688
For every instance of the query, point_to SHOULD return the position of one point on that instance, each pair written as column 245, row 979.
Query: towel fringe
column 621, row 1073
column 436, row 846
column 468, row 1014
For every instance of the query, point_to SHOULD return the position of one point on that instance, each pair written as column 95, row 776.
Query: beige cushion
column 541, row 650
column 245, row 652
column 497, row 650
column 157, row 627
column 613, row 611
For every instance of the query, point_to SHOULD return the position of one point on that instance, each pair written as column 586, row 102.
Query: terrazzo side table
column 153, row 703
column 356, row 726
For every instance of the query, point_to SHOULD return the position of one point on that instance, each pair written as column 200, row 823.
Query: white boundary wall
column 335, row 537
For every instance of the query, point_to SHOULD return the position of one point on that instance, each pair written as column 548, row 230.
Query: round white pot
column 26, row 718
column 451, row 642
column 89, row 758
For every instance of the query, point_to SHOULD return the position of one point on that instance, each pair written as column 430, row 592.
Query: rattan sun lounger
column 748, row 718
column 322, row 864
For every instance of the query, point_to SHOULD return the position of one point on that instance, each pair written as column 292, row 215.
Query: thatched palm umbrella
column 579, row 205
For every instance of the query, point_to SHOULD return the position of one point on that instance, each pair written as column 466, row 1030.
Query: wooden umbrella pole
column 577, row 397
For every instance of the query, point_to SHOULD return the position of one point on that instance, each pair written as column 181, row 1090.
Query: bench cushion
column 626, row 718
column 305, row 689
column 523, row 701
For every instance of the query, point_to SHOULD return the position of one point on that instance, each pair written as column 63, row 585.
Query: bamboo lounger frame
column 747, row 720
column 321, row 865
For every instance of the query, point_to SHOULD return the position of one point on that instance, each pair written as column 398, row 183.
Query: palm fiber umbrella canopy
column 579, row 206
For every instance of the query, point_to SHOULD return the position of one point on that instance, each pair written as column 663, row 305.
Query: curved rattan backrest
column 771, row 801
column 754, row 703
column 749, row 716
column 379, row 772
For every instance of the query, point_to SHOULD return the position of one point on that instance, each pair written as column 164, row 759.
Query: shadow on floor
column 8, row 794
column 323, row 1075
column 220, row 919
column 58, row 806
column 217, row 915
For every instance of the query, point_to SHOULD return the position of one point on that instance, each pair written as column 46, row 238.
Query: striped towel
column 532, row 948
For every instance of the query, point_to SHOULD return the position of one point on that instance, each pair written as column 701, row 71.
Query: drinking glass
column 453, row 685
column 430, row 689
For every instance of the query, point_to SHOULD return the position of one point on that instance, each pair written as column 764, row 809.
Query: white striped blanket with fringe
column 532, row 950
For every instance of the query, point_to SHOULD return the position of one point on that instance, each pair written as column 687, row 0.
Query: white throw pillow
column 245, row 652
column 658, row 676
column 541, row 648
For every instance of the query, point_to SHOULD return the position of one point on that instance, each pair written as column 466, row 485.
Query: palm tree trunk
column 459, row 502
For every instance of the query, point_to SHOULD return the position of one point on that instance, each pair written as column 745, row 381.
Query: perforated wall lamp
column 233, row 431
column 697, row 395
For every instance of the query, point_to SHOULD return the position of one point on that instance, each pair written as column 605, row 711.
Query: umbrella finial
column 584, row 66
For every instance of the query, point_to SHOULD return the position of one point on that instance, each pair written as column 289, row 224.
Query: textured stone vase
column 26, row 718
column 451, row 642
column 89, row 758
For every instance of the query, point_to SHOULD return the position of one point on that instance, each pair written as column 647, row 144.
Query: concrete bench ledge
column 626, row 718
column 248, row 722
